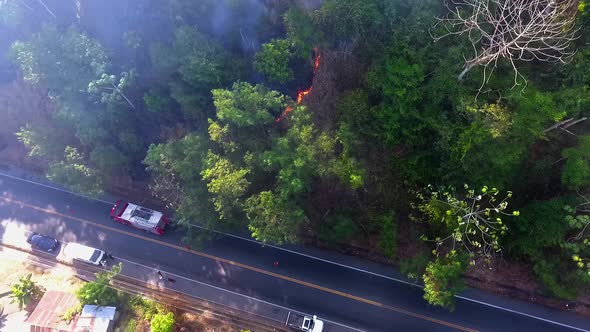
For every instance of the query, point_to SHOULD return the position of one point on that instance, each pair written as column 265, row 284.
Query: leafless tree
column 25, row 5
column 516, row 30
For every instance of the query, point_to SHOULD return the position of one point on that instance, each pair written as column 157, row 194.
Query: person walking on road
column 160, row 275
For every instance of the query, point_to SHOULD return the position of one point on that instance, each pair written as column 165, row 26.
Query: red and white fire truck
column 139, row 217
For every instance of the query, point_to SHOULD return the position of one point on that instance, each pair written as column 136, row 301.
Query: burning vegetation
column 302, row 93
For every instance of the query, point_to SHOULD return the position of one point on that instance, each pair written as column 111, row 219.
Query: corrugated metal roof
column 47, row 315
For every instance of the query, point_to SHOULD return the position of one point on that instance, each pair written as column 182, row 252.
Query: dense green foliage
column 24, row 291
column 99, row 292
column 162, row 322
column 442, row 279
column 315, row 124
column 273, row 60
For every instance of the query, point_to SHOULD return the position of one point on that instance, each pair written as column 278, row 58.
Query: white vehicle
column 304, row 323
column 139, row 217
column 85, row 254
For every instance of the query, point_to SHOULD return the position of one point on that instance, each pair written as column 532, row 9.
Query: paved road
column 339, row 294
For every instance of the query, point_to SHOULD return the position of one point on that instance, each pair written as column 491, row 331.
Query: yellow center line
column 244, row 266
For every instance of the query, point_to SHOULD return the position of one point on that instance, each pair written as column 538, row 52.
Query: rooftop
column 47, row 314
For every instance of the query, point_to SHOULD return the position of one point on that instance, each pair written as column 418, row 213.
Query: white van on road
column 85, row 254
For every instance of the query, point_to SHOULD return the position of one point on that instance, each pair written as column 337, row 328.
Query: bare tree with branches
column 472, row 221
column 516, row 30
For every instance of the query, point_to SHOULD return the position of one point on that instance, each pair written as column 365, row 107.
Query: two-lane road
column 351, row 297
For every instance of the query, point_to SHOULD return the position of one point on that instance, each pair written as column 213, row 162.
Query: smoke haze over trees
column 339, row 123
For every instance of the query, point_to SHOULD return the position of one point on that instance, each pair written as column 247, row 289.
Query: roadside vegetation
column 138, row 313
column 413, row 132
column 25, row 283
column 24, row 291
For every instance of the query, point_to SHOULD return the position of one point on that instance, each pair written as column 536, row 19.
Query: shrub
column 414, row 267
column 541, row 224
column 24, row 291
column 162, row 322
column 69, row 315
column 442, row 279
column 100, row 292
column 131, row 326
column 565, row 284
column 144, row 308
column 388, row 241
column 338, row 228
column 576, row 171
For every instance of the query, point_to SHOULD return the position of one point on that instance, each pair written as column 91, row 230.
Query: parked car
column 42, row 242
column 85, row 254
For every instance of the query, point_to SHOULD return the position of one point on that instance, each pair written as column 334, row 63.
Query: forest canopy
column 397, row 126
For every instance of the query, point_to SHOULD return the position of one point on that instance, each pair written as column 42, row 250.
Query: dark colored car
column 42, row 242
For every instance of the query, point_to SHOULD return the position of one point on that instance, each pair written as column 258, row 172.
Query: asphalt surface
column 335, row 293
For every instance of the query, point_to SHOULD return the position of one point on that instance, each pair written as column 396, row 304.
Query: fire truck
column 139, row 217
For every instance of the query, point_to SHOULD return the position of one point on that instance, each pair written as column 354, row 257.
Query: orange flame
column 316, row 64
column 302, row 93
column 288, row 110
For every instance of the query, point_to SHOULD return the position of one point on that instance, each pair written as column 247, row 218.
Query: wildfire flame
column 302, row 93
column 316, row 64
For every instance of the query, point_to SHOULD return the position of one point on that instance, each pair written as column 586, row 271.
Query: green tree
column 542, row 224
column 11, row 12
column 388, row 240
column 157, row 101
column 338, row 228
column 202, row 61
column 552, row 235
column 274, row 218
column 579, row 244
column 348, row 18
column 162, row 322
column 108, row 160
column 302, row 153
column 191, row 66
column 100, row 292
column 75, row 174
column 489, row 122
column 398, row 81
column 24, row 291
column 359, row 116
column 226, row 182
column 176, row 168
column 301, row 31
column 487, row 148
column 43, row 141
column 576, row 171
column 295, row 159
column 66, row 62
column 246, row 105
column 273, row 60
column 415, row 266
column 442, row 279
column 239, row 136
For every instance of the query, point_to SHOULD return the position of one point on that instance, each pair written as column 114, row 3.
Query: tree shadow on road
column 2, row 317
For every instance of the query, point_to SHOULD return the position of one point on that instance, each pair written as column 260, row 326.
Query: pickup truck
column 85, row 254
column 304, row 323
